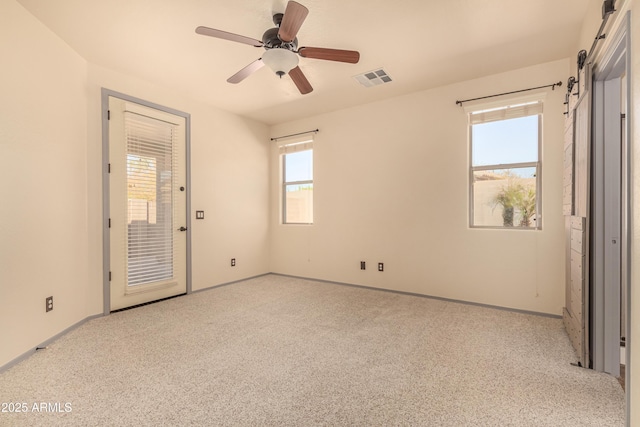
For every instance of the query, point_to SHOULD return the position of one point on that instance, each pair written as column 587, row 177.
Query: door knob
column 182, row 229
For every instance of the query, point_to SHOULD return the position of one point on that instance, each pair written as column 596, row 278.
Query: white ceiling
column 421, row 43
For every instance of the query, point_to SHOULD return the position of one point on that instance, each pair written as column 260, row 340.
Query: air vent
column 373, row 78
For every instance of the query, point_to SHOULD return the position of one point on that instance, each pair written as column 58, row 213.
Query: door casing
column 611, row 205
column 106, row 243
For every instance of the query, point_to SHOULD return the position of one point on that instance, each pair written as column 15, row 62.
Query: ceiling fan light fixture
column 281, row 61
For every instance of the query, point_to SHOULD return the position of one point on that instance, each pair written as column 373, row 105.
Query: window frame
column 294, row 144
column 286, row 183
column 507, row 166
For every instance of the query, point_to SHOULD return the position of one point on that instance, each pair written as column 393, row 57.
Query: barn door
column 576, row 210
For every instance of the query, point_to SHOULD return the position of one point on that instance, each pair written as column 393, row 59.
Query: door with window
column 147, row 204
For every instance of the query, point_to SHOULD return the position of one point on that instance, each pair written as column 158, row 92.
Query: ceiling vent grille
column 373, row 78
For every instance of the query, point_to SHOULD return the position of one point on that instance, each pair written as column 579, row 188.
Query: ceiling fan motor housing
column 271, row 40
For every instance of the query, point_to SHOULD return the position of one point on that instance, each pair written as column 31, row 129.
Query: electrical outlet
column 233, row 262
column 363, row 265
column 380, row 266
column 199, row 214
column 49, row 304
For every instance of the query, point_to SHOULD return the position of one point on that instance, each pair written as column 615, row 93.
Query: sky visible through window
column 299, row 166
column 506, row 141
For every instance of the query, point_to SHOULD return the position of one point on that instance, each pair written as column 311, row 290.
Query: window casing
column 297, row 181
column 505, row 168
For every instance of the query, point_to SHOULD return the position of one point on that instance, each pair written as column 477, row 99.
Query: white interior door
column 147, row 204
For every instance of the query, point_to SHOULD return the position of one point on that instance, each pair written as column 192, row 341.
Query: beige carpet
column 283, row 351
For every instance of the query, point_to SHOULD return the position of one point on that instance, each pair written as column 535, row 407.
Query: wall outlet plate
column 233, row 262
column 48, row 304
column 380, row 266
column 199, row 214
column 363, row 265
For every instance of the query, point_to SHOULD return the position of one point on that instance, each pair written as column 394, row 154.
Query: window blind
column 151, row 182
column 294, row 144
column 506, row 112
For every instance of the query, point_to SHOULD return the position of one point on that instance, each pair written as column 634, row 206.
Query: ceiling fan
column 281, row 48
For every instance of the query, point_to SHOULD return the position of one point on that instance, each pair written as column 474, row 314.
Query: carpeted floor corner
column 283, row 351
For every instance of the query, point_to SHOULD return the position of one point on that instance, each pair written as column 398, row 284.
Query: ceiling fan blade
column 212, row 32
column 300, row 80
column 246, row 71
column 350, row 56
column 294, row 16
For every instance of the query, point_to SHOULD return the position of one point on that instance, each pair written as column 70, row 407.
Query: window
column 505, row 166
column 297, row 181
column 151, row 156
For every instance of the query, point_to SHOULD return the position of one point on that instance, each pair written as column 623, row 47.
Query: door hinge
column 108, row 114
column 108, row 167
column 109, row 276
column 109, row 222
column 623, row 116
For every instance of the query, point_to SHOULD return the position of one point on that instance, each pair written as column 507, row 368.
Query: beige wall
column 43, row 235
column 391, row 185
column 50, row 161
